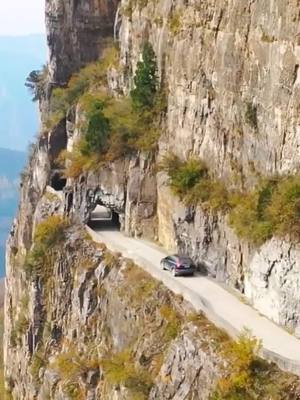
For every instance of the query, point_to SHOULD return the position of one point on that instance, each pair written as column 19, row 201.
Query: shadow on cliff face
column 57, row 182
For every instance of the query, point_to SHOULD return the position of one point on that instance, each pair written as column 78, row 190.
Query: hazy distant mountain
column 18, row 117
column 11, row 163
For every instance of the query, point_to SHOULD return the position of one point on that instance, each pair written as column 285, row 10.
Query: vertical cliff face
column 231, row 69
column 221, row 60
column 230, row 72
column 76, row 33
column 98, row 328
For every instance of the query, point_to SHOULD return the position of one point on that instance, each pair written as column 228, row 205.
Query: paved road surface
column 220, row 306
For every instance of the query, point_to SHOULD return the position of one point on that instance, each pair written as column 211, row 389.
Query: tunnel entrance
column 104, row 218
column 57, row 182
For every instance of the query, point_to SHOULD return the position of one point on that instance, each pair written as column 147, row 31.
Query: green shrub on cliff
column 48, row 234
column 244, row 217
column 50, row 231
column 76, row 162
column 71, row 366
column 36, row 83
column 37, row 362
column 284, row 207
column 20, row 322
column 90, row 76
column 148, row 101
column 111, row 131
column 246, row 377
column 251, row 115
column 139, row 284
column 175, row 22
column 121, row 369
column 97, row 129
column 190, row 180
column 145, row 81
column 273, row 208
column 183, row 175
column 173, row 322
column 240, row 375
column 113, row 127
column 248, row 215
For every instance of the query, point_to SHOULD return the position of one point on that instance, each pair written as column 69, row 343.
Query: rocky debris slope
column 96, row 311
column 92, row 325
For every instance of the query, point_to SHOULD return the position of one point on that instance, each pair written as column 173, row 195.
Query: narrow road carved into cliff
column 220, row 306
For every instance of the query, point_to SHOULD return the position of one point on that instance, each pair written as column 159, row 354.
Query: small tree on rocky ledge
column 145, row 80
column 36, row 82
column 97, row 130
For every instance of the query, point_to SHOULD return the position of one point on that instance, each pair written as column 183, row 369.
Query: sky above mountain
column 11, row 163
column 19, row 55
column 22, row 49
column 19, row 17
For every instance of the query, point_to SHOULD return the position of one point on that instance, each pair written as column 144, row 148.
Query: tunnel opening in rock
column 58, row 183
column 104, row 218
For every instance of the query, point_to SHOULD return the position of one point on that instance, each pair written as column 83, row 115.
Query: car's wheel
column 163, row 265
column 174, row 273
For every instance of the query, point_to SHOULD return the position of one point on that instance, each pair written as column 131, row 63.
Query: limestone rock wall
column 231, row 74
column 76, row 33
column 127, row 186
column 220, row 59
column 93, row 307
column 231, row 71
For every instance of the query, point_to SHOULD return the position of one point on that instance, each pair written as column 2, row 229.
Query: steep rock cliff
column 76, row 32
column 230, row 70
column 93, row 309
column 93, row 325
column 222, row 63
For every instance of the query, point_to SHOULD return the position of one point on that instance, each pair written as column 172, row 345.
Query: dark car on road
column 179, row 265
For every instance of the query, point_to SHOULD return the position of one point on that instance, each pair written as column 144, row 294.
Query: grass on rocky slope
column 157, row 320
column 48, row 234
column 244, row 376
column 112, row 127
column 272, row 208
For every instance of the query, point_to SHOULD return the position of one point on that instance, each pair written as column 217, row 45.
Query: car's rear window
column 185, row 260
